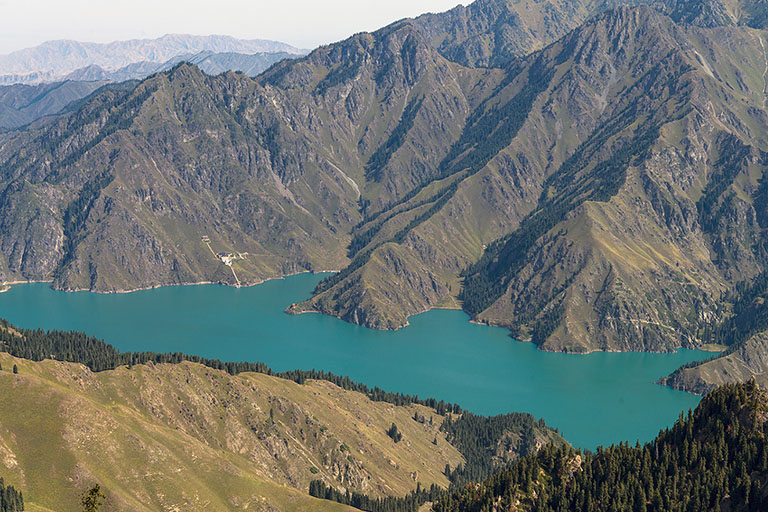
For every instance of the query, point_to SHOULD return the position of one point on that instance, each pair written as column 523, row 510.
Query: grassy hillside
column 186, row 437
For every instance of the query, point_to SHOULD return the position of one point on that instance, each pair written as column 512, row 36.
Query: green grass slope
column 186, row 437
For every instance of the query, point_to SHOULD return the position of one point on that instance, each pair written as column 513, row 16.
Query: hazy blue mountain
column 21, row 104
column 53, row 60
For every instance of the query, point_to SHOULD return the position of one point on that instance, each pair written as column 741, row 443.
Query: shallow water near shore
column 594, row 399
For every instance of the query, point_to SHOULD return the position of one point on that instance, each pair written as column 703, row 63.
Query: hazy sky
column 303, row 23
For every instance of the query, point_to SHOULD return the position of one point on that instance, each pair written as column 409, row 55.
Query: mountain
column 493, row 33
column 222, row 173
column 53, row 60
column 590, row 195
column 185, row 437
column 740, row 363
column 496, row 32
column 209, row 62
column 599, row 215
column 23, row 104
column 715, row 458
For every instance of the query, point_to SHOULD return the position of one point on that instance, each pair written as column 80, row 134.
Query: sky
column 302, row 23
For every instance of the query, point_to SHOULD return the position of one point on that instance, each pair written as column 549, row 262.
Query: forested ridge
column 715, row 455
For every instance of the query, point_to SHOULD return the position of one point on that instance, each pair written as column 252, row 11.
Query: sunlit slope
column 187, row 437
column 638, row 233
column 597, row 166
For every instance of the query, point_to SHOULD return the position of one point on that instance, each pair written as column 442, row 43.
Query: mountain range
column 22, row 104
column 589, row 175
column 55, row 60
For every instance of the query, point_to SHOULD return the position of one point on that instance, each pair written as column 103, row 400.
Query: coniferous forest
column 11, row 500
column 714, row 458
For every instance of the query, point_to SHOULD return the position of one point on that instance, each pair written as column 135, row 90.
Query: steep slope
column 129, row 184
column 744, row 332
column 52, row 60
column 747, row 361
column 492, row 33
column 187, row 437
column 606, row 249
column 633, row 249
column 715, row 458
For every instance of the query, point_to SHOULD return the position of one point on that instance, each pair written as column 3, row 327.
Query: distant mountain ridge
column 54, row 60
column 209, row 62
column 22, row 104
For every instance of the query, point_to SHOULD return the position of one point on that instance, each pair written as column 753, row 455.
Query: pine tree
column 394, row 433
column 92, row 499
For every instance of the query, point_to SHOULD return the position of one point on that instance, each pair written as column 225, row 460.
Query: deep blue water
column 594, row 399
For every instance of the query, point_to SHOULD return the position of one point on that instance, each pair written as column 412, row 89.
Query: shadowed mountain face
column 23, row 104
column 602, row 192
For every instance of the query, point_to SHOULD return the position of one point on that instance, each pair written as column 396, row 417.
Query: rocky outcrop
column 748, row 361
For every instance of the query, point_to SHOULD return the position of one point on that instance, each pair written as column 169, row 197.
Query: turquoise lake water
column 594, row 399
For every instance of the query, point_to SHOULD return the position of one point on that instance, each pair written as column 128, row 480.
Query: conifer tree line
column 408, row 503
column 476, row 437
column 11, row 500
column 96, row 354
column 713, row 456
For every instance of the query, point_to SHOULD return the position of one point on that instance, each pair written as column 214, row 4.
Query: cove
column 594, row 399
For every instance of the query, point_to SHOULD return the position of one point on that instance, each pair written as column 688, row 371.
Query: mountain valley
column 576, row 195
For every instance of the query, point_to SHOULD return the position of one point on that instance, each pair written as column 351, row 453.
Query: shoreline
column 291, row 311
column 9, row 284
column 6, row 286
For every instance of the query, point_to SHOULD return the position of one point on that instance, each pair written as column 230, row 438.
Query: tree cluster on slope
column 409, row 503
column 11, row 500
column 719, row 452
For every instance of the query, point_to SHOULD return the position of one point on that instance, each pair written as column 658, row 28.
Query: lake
column 594, row 399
